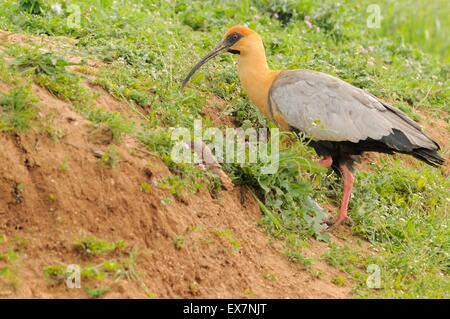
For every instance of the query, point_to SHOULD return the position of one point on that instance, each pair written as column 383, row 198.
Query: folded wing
column 329, row 109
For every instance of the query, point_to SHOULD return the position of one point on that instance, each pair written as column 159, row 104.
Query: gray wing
column 329, row 109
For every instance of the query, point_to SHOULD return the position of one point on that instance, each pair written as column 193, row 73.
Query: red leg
column 327, row 161
column 348, row 185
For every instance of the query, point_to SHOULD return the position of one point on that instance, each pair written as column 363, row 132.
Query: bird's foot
column 326, row 162
column 335, row 222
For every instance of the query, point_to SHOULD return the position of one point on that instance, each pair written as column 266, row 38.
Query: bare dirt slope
column 54, row 194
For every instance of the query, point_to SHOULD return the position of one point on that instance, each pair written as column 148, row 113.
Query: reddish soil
column 55, row 208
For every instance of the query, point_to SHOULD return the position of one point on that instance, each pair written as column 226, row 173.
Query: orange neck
column 256, row 77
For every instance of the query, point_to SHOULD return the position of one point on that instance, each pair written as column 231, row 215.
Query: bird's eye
column 235, row 36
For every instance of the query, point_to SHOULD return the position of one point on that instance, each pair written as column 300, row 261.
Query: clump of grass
column 38, row 62
column 340, row 281
column 55, row 274
column 166, row 201
column 103, row 263
column 350, row 262
column 64, row 167
column 112, row 266
column 180, row 242
column 111, row 156
column 188, row 178
column 94, row 247
column 229, row 236
column 344, row 257
column 17, row 110
column 114, row 120
column 98, row 292
column 7, row 75
column 47, row 127
column 297, row 257
column 126, row 83
column 397, row 207
column 272, row 277
column 68, row 87
column 49, row 71
column 151, row 295
column 285, row 198
column 146, row 187
column 10, row 252
column 174, row 184
column 93, row 273
column 248, row 294
column 31, row 6
column 194, row 288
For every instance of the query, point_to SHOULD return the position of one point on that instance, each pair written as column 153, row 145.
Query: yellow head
column 243, row 40
column 237, row 40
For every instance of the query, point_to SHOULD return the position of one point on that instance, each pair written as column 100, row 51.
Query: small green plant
column 10, row 252
column 340, row 281
column 64, row 167
column 174, row 184
column 248, row 294
column 272, row 276
column 152, row 295
column 112, row 266
column 17, row 109
column 95, row 247
column 349, row 261
column 180, row 242
column 299, row 258
column 39, row 63
column 146, row 187
column 68, row 87
column 114, row 120
column 55, row 274
column 8, row 275
column 228, row 235
column 166, row 201
column 31, row 6
column 194, row 288
column 98, row 292
column 188, row 178
column 111, row 156
column 47, row 127
column 125, row 83
column 93, row 273
column 97, row 269
column 20, row 243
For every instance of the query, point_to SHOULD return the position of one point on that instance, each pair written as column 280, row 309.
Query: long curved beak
column 222, row 47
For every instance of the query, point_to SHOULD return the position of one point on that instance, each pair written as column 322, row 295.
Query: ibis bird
column 341, row 120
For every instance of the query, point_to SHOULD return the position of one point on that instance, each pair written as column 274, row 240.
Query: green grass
column 147, row 47
column 111, row 156
column 404, row 211
column 229, row 237
column 101, row 264
column 17, row 109
column 94, row 246
column 11, row 250
column 95, row 293
column 299, row 258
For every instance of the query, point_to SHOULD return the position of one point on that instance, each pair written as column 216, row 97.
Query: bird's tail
column 431, row 157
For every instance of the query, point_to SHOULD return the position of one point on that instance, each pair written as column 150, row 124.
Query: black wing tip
column 431, row 157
